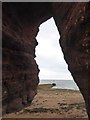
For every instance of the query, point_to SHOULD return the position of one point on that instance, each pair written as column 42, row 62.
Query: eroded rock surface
column 20, row 71
column 20, row 27
column 74, row 27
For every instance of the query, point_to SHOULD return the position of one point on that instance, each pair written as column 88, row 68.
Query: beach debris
column 41, row 110
column 66, row 107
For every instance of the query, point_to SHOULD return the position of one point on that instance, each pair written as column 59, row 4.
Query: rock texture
column 20, row 27
column 20, row 71
column 74, row 26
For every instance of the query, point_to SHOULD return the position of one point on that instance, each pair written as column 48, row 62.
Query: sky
column 49, row 56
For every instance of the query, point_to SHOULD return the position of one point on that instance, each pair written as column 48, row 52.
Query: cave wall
column 74, row 26
column 20, row 71
column 20, row 27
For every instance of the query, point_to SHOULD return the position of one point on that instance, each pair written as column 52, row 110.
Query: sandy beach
column 52, row 103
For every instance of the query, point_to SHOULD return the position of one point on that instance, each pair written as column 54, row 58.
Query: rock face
column 20, row 27
column 20, row 71
column 74, row 28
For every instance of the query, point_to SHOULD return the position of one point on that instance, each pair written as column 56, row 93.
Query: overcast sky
column 49, row 55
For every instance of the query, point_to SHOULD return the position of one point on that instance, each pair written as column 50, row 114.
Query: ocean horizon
column 60, row 84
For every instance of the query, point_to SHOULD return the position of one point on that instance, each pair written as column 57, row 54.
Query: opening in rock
column 54, row 73
column 49, row 56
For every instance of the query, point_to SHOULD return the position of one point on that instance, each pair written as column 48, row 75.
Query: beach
column 53, row 103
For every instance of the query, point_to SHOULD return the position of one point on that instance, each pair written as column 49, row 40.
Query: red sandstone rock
column 20, row 27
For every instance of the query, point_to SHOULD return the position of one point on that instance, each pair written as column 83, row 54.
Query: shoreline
column 61, row 84
column 58, row 88
column 50, row 87
column 53, row 103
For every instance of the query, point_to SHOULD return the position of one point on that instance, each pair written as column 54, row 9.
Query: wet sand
column 52, row 103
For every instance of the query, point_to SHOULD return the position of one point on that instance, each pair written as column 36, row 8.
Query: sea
column 61, row 84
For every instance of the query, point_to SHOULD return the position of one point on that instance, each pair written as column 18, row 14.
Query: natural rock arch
column 19, row 29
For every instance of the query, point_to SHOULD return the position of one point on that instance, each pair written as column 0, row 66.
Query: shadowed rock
column 20, row 27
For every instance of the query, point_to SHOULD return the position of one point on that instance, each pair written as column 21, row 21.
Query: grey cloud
column 49, row 54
